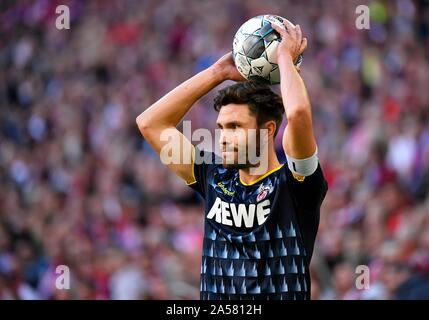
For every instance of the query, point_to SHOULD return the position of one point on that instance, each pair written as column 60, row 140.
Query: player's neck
column 246, row 175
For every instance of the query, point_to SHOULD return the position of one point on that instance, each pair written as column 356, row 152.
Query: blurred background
column 79, row 186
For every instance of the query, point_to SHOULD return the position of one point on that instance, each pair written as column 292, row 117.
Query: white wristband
column 303, row 167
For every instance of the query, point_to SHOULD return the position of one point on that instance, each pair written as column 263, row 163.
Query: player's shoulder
column 317, row 178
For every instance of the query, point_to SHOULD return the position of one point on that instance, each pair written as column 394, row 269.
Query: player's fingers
column 303, row 45
column 298, row 35
column 278, row 29
column 296, row 44
column 289, row 27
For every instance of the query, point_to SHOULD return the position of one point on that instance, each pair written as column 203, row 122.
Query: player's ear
column 271, row 127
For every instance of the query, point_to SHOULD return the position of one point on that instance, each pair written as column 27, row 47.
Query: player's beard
column 237, row 164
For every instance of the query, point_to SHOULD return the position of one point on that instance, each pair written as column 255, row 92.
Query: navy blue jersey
column 258, row 237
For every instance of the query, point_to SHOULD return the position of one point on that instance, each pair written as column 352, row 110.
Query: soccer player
column 259, row 229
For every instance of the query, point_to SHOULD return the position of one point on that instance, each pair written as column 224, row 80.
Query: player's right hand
column 226, row 66
column 292, row 43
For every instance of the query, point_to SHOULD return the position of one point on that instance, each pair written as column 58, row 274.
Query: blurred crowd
column 80, row 187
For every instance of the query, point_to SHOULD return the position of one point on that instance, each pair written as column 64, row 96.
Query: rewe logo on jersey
column 233, row 214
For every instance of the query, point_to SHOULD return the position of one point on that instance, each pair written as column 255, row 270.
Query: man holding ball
column 259, row 229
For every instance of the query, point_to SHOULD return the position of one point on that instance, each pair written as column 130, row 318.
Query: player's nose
column 223, row 139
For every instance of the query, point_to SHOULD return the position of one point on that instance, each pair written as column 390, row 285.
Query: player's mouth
column 229, row 150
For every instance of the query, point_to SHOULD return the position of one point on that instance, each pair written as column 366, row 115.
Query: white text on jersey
column 222, row 211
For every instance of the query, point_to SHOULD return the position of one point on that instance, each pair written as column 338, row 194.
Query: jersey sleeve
column 202, row 166
column 308, row 192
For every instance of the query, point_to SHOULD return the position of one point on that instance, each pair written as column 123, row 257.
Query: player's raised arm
column 298, row 139
column 166, row 113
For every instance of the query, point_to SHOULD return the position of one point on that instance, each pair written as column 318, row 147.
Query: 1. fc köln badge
column 263, row 191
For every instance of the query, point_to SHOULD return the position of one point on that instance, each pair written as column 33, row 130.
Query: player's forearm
column 294, row 93
column 170, row 109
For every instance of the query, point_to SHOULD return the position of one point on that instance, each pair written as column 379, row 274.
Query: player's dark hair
column 262, row 101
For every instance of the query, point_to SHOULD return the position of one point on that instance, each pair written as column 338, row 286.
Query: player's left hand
column 228, row 69
column 292, row 42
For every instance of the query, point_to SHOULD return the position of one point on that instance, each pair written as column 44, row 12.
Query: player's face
column 236, row 138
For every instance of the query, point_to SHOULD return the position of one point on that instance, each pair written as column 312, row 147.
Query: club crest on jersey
column 262, row 192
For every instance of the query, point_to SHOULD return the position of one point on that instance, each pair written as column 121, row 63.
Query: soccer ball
column 255, row 49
